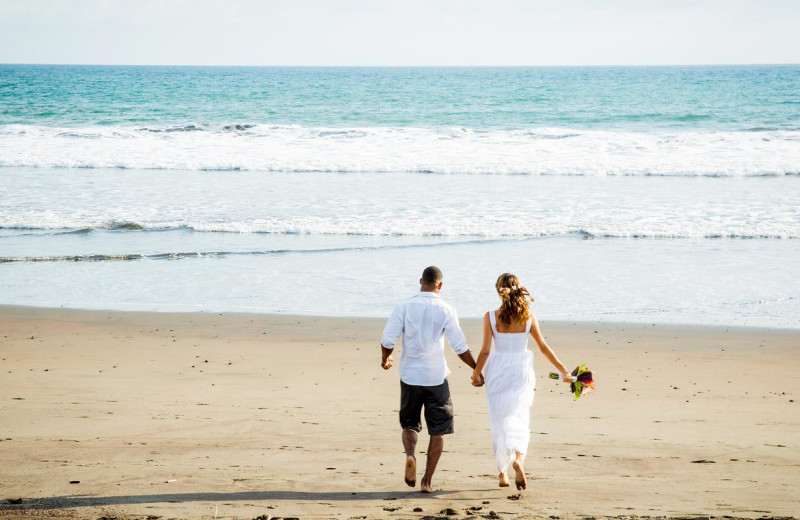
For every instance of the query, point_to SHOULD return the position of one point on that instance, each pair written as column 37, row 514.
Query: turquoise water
column 628, row 98
column 643, row 194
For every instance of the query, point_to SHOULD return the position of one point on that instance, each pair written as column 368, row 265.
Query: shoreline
column 465, row 321
column 585, row 265
column 238, row 415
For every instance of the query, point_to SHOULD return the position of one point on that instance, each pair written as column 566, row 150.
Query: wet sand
column 243, row 415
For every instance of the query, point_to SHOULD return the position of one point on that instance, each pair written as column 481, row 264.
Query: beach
column 225, row 415
column 196, row 264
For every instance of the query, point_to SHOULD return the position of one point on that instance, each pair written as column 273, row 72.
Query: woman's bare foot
column 425, row 486
column 504, row 482
column 519, row 479
column 411, row 471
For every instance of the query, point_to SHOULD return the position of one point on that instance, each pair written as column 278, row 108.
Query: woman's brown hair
column 516, row 299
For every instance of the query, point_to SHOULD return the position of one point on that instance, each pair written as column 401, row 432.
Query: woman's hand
column 567, row 378
column 477, row 379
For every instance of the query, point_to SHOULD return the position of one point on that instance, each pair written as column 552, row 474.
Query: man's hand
column 386, row 358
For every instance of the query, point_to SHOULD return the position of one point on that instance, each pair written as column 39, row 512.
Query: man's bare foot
column 519, row 479
column 504, row 480
column 425, row 486
column 411, row 471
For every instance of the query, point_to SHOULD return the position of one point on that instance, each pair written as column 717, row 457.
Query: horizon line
column 402, row 66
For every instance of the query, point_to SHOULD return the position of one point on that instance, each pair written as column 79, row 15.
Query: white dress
column 510, row 380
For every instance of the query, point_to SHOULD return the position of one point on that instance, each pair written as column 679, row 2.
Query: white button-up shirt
column 424, row 320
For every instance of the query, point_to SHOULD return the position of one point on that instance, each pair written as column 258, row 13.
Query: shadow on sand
column 71, row 501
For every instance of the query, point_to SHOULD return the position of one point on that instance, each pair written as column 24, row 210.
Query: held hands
column 387, row 363
column 477, row 379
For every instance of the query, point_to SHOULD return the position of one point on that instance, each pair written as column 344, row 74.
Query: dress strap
column 493, row 321
column 528, row 325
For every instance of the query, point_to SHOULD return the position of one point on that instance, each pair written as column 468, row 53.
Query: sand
column 243, row 415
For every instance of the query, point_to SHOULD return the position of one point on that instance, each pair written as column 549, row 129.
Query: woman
column 507, row 371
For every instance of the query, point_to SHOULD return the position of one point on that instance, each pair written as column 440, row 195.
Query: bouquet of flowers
column 582, row 381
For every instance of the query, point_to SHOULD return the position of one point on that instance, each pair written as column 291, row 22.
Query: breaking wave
column 241, row 146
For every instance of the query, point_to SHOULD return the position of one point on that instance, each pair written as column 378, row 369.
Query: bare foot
column 504, row 480
column 519, row 478
column 411, row 471
column 425, row 486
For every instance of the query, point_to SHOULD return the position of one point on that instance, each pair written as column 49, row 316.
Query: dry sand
column 237, row 416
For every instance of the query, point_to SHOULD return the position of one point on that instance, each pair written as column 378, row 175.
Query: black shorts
column 437, row 403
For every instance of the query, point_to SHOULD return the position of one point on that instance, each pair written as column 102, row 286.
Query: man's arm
column 467, row 358
column 392, row 331
column 457, row 341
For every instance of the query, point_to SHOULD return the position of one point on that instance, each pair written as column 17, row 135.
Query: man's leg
column 435, row 447
column 410, row 443
column 410, row 409
column 439, row 419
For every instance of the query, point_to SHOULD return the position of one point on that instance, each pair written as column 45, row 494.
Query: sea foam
column 449, row 150
column 135, row 203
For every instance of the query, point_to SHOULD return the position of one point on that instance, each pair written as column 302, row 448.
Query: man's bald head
column 431, row 279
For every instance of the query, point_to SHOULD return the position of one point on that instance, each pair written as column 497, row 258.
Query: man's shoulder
column 405, row 303
column 437, row 301
column 440, row 302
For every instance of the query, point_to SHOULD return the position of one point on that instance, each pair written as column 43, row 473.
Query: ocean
column 632, row 194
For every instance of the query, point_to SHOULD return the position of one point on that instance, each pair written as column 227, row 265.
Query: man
column 424, row 321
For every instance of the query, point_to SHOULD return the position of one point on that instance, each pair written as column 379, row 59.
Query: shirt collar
column 428, row 294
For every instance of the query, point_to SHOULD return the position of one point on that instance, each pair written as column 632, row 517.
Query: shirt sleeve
column 455, row 336
column 393, row 328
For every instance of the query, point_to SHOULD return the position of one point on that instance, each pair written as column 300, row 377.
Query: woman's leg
column 519, row 469
column 504, row 482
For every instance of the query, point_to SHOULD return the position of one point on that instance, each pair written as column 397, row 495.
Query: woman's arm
column 486, row 348
column 545, row 349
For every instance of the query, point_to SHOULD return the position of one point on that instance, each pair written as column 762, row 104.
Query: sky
column 400, row 32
